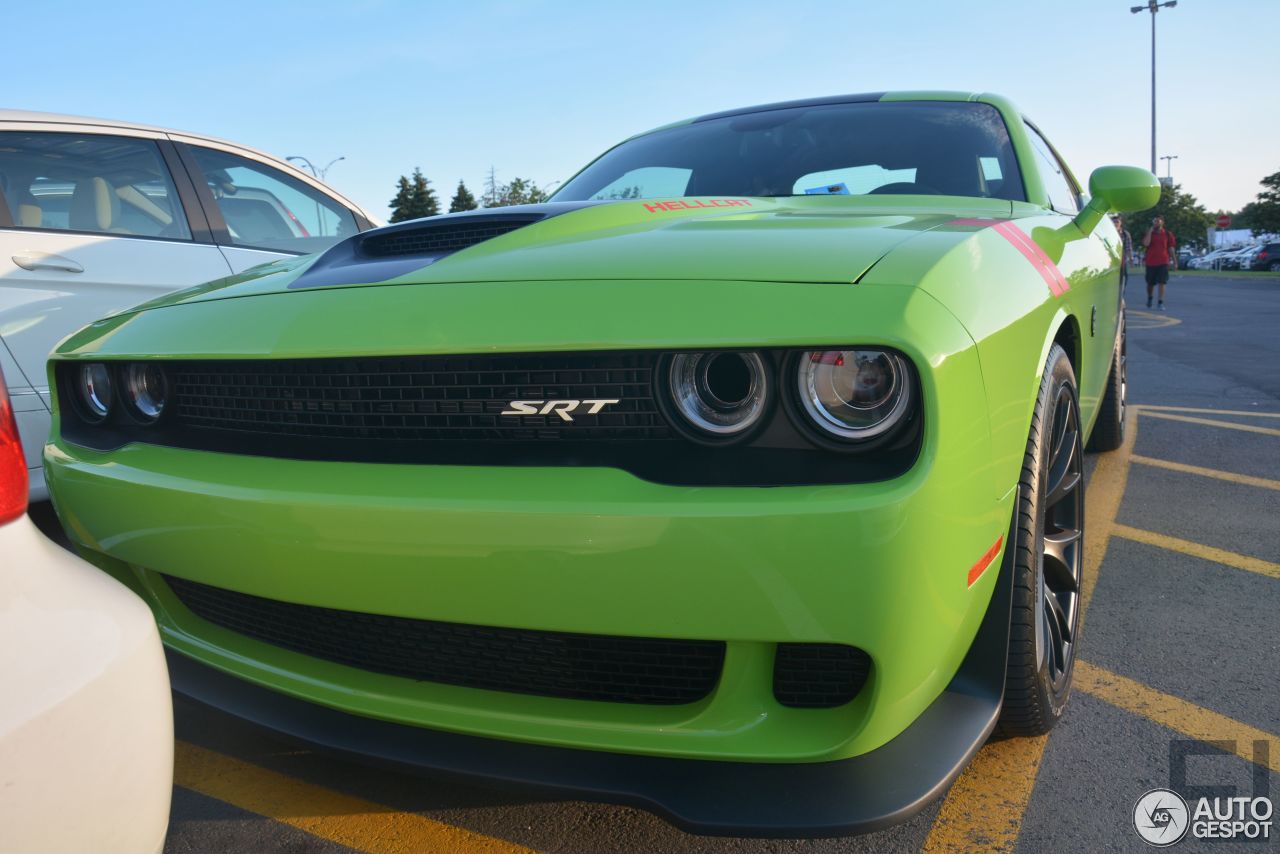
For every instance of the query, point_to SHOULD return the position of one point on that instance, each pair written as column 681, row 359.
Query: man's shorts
column 1157, row 274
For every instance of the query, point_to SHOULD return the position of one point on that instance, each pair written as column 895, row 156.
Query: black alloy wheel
column 1061, row 538
column 1048, row 558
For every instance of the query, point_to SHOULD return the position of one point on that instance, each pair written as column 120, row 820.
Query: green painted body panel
column 882, row 566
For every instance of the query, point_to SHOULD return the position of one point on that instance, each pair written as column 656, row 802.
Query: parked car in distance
column 86, row 719
column 96, row 216
column 1238, row 259
column 1266, row 258
column 1209, row 260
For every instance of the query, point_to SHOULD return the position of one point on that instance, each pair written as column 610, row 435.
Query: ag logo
column 563, row 408
column 1161, row 818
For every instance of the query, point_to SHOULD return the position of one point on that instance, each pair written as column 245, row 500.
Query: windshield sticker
column 828, row 190
column 693, row 204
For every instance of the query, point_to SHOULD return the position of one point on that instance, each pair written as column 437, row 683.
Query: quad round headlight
column 853, row 395
column 146, row 390
column 719, row 395
column 93, row 388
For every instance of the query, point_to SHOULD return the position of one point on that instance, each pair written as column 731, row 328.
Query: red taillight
column 1262, row 256
column 13, row 466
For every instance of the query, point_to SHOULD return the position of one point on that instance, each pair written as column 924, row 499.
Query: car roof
column 37, row 117
column 856, row 98
column 859, row 98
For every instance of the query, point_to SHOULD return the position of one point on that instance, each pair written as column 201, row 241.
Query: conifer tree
column 462, row 200
column 402, row 201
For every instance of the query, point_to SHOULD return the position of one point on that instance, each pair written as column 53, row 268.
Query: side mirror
column 1117, row 189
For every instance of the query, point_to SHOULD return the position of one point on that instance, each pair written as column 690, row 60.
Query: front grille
column 436, row 239
column 448, row 410
column 421, row 398
column 818, row 675
column 650, row 671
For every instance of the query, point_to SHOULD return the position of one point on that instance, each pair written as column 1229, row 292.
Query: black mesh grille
column 437, row 239
column 422, row 398
column 818, row 675
column 551, row 664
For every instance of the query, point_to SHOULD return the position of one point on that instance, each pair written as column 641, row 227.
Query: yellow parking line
column 1187, row 547
column 984, row 808
column 1148, row 408
column 1230, row 425
column 1246, row 479
column 1176, row 714
column 353, row 822
column 1154, row 320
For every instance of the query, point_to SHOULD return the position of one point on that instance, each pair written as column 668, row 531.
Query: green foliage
column 462, row 200
column 414, row 198
column 520, row 191
column 1183, row 215
column 1263, row 215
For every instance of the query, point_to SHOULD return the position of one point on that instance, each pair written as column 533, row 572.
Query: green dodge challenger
column 742, row 481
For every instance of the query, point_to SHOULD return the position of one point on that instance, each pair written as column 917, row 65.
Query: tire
column 1047, row 561
column 1108, row 430
column 1274, row 266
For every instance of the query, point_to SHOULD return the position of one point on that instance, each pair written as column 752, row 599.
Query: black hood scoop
column 394, row 250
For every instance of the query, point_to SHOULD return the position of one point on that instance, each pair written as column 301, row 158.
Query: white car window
column 89, row 183
column 265, row 208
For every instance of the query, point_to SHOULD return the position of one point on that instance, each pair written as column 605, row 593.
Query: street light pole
column 1153, row 7
column 1168, row 166
column 318, row 173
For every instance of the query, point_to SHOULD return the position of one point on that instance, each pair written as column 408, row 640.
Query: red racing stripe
column 985, row 561
column 1044, row 265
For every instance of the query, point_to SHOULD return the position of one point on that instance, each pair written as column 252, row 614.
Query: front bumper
column 591, row 551
column 856, row 795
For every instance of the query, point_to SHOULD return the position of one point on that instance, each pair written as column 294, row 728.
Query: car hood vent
column 436, row 238
column 395, row 250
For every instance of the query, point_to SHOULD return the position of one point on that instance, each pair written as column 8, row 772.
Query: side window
column 266, row 209
column 1062, row 196
column 89, row 182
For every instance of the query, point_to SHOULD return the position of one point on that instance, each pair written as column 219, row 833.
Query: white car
column 1208, row 260
column 97, row 216
column 86, row 720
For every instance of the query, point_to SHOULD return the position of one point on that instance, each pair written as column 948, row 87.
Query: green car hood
column 823, row 239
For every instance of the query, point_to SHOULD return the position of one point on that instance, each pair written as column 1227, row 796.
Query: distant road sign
column 1224, row 222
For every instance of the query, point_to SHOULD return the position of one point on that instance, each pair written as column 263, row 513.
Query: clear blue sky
column 538, row 88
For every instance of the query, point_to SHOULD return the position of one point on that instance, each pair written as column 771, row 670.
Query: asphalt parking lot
column 1181, row 647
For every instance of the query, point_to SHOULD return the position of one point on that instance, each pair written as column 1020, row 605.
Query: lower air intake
column 649, row 671
column 818, row 675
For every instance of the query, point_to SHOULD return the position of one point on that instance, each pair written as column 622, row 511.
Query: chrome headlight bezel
column 94, row 388
column 694, row 409
column 145, row 390
column 825, row 426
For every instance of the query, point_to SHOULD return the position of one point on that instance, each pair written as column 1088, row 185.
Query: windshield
column 911, row 147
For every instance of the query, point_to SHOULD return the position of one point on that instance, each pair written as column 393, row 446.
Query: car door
column 93, row 220
column 258, row 212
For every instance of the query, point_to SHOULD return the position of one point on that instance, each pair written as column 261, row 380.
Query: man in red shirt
column 1159, row 244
